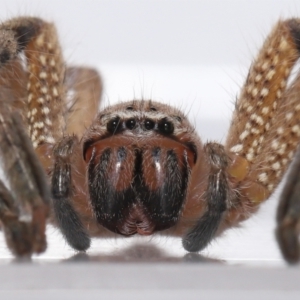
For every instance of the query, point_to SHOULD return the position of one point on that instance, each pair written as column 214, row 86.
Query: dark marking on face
column 139, row 207
column 4, row 56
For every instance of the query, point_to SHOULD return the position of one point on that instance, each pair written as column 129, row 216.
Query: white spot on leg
column 276, row 166
column 264, row 92
column 52, row 62
column 248, row 125
column 275, row 59
column 270, row 75
column 50, row 139
column 282, row 149
column 54, row 77
column 249, row 108
column 34, row 134
column 249, row 156
column 254, row 92
column 48, row 122
column 43, row 75
column 255, row 143
column 288, row 116
column 265, row 65
column 258, row 119
column 275, row 144
column 40, row 100
column 40, row 40
column 258, row 77
column 278, row 93
column 55, row 92
column 44, row 90
column 265, row 110
column 45, row 110
column 283, row 83
column 280, row 130
column 263, row 177
column 296, row 129
column 43, row 60
column 283, row 44
column 244, row 134
column 254, row 131
column 236, row 148
column 38, row 125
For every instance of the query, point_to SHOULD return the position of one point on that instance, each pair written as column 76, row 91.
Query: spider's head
column 139, row 158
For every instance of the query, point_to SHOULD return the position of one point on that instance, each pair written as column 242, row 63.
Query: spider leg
column 288, row 215
column 49, row 118
column 42, row 110
column 216, row 198
column 17, row 232
column 24, row 210
column 62, row 191
column 264, row 132
column 84, row 88
column 262, row 139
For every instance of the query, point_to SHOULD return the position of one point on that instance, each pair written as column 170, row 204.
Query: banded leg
column 264, row 133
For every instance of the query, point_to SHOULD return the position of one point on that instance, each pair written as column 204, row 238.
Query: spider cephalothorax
column 137, row 167
column 139, row 155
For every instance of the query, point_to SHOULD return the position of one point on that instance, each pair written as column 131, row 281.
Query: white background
column 193, row 54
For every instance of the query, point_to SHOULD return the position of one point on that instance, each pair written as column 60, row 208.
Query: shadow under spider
column 139, row 253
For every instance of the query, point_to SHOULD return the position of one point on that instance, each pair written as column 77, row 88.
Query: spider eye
column 149, row 124
column 130, row 124
column 113, row 125
column 165, row 126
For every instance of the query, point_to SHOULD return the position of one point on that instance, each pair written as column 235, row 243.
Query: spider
column 138, row 167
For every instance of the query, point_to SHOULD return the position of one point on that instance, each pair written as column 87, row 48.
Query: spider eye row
column 163, row 126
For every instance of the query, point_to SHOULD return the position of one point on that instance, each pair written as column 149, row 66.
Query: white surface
column 193, row 54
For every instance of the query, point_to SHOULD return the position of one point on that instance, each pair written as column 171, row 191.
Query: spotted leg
column 265, row 131
column 288, row 214
column 262, row 139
